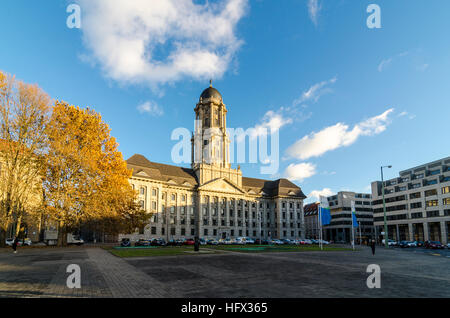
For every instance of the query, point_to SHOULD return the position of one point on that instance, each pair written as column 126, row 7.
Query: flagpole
column 353, row 227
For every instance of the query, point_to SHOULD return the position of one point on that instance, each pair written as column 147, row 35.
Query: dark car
column 403, row 244
column 433, row 245
column 142, row 242
column 419, row 243
column 125, row 242
column 158, row 242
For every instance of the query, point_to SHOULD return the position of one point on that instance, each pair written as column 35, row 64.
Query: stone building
column 211, row 199
column 311, row 212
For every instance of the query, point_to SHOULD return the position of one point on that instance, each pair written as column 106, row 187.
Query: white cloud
column 155, row 42
column 151, row 108
column 405, row 113
column 384, row 64
column 300, row 172
column 271, row 123
column 314, row 8
column 315, row 92
column 316, row 194
column 337, row 136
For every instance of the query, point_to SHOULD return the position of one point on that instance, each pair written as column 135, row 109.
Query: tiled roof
column 142, row 167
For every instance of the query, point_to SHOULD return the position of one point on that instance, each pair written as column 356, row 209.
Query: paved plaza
column 42, row 273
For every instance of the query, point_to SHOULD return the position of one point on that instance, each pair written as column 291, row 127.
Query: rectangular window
column 435, row 172
column 142, row 190
column 445, row 190
column 172, row 231
column 192, row 231
column 415, row 195
column 183, row 231
column 416, row 205
column 446, row 201
column 173, row 197
column 154, row 205
column 154, row 192
column 429, row 193
column 205, row 232
column 432, row 203
column 153, row 230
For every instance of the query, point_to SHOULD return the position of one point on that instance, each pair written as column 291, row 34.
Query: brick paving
column 42, row 273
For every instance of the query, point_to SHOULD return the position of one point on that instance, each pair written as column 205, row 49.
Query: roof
column 142, row 167
column 211, row 92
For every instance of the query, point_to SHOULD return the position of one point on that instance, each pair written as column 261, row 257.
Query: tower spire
column 210, row 83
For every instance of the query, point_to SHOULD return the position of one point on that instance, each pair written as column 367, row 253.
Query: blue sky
column 347, row 98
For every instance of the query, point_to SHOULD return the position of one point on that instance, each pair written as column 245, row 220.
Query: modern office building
column 340, row 228
column 417, row 203
column 311, row 212
column 211, row 199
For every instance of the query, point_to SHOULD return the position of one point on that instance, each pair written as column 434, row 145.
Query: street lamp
column 384, row 208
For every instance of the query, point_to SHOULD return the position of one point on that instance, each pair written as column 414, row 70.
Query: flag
column 354, row 219
column 324, row 211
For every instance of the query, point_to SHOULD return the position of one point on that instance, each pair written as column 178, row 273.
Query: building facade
column 311, row 212
column 211, row 199
column 340, row 228
column 417, row 203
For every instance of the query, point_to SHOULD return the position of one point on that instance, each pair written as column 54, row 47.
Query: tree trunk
column 62, row 235
column 18, row 225
column 2, row 237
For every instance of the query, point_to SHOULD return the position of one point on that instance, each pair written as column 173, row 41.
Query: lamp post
column 386, row 244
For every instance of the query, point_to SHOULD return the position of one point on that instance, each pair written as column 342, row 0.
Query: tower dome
column 211, row 92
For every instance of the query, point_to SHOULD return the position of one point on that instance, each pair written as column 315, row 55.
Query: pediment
column 170, row 181
column 292, row 193
column 221, row 185
column 142, row 173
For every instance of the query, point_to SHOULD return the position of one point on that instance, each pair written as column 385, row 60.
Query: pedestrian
column 15, row 243
column 372, row 245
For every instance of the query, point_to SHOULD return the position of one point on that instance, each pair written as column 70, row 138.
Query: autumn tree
column 86, row 177
column 24, row 114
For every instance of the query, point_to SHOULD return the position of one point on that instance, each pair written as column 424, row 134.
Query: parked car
column 241, row 241
column 189, row 242
column 315, row 241
column 203, row 241
column 125, row 242
column 158, row 242
column 277, row 242
column 323, row 242
column 448, row 245
column 27, row 242
column 403, row 244
column 433, row 245
column 265, row 242
column 212, row 242
column 391, row 243
column 249, row 240
column 9, row 242
column 340, row 242
column 142, row 242
column 419, row 243
column 412, row 244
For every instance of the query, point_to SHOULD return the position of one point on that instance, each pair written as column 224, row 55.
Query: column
column 397, row 233
column 444, row 235
column 411, row 232
column 426, row 235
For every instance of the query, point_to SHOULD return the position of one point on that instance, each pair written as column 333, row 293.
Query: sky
column 344, row 98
